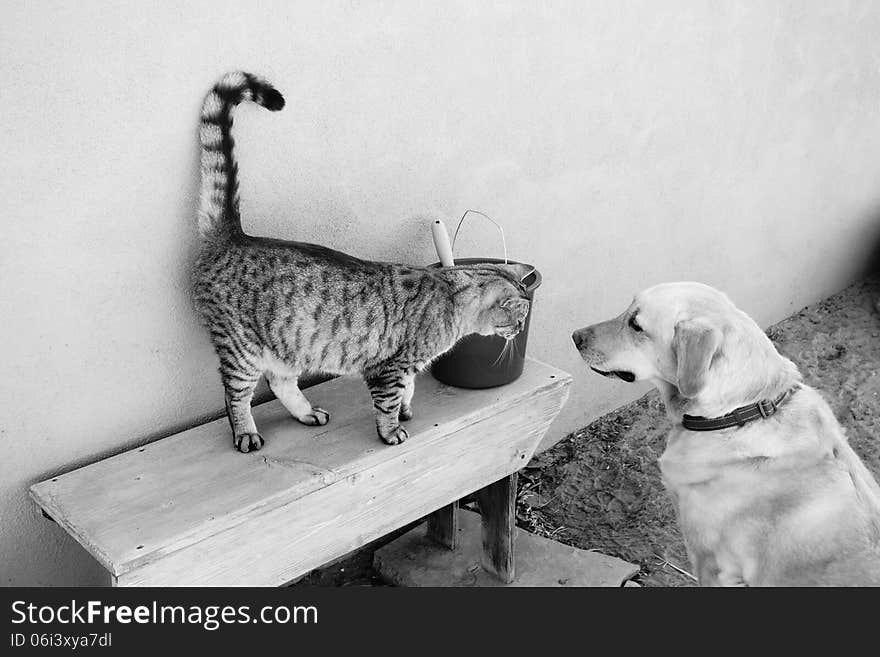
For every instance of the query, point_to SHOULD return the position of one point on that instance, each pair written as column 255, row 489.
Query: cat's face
column 503, row 303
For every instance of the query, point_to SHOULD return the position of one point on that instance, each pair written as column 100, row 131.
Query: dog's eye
column 634, row 325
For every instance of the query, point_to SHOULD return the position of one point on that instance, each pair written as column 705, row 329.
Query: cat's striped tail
column 218, row 199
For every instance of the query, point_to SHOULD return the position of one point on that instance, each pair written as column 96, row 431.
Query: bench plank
column 189, row 509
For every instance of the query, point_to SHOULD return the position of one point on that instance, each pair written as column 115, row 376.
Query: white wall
column 621, row 144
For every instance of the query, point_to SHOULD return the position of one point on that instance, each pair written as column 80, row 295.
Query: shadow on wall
column 872, row 264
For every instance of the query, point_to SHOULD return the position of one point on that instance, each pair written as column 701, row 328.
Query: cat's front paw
column 406, row 413
column 248, row 442
column 317, row 417
column 394, row 436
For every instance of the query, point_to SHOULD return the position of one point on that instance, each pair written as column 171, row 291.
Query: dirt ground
column 599, row 488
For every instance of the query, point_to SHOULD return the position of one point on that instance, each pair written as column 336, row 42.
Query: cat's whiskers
column 505, row 350
column 515, row 348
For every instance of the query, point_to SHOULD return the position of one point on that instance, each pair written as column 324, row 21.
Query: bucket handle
column 497, row 225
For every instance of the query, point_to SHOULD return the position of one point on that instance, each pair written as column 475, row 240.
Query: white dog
column 767, row 489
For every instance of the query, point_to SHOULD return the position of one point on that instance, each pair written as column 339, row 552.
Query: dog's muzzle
column 629, row 377
column 581, row 339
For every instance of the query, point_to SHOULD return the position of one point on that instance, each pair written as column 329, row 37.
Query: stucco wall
column 621, row 144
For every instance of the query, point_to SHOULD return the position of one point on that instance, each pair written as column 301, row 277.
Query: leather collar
column 738, row 416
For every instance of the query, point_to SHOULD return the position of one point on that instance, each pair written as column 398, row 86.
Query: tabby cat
column 284, row 308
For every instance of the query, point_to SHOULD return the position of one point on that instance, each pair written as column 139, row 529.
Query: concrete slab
column 414, row 560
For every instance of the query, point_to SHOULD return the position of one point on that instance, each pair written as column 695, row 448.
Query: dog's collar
column 738, row 416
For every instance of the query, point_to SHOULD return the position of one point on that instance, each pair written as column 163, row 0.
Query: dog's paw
column 395, row 436
column 317, row 417
column 248, row 442
column 405, row 413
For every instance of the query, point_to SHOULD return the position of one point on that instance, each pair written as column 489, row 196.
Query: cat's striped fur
column 286, row 308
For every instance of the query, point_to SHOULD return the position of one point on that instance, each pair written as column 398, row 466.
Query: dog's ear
column 695, row 344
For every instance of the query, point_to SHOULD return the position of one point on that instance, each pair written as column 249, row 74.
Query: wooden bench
column 190, row 510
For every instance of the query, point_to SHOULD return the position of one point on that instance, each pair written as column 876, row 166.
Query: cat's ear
column 519, row 271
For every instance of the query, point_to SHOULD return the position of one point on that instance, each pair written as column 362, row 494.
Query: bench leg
column 443, row 525
column 498, row 510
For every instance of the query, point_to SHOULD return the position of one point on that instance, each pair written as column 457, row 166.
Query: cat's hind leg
column 239, row 387
column 286, row 389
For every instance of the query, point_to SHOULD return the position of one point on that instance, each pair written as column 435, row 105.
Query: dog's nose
column 579, row 338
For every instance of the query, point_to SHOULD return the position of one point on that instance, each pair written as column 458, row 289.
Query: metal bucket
column 477, row 361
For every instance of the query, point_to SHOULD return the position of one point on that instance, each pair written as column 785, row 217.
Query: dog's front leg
column 712, row 573
column 707, row 570
column 730, row 578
